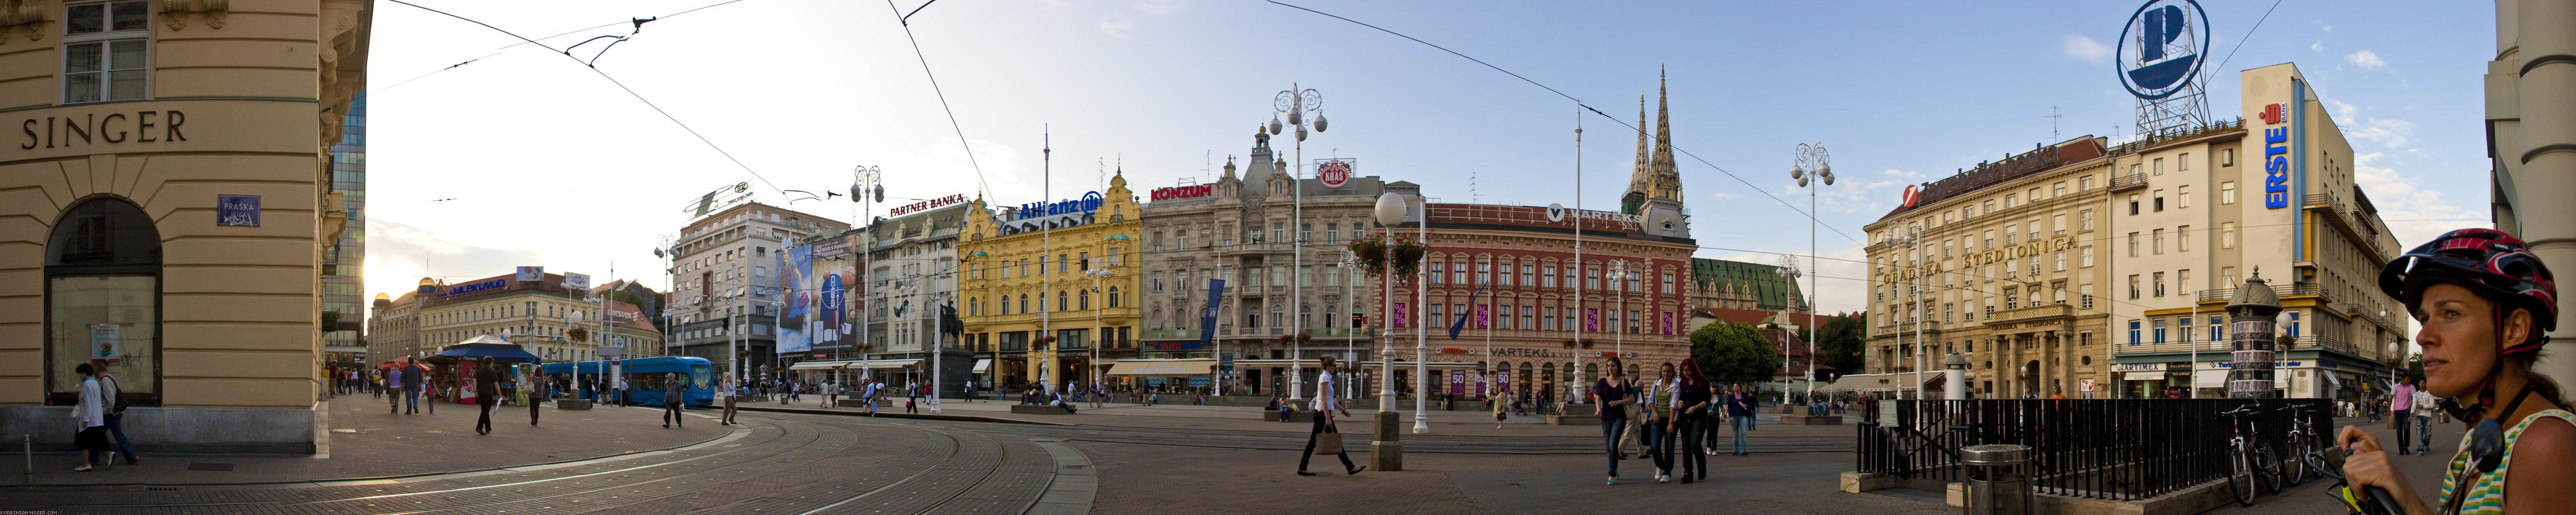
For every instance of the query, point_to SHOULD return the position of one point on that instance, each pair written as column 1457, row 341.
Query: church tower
column 1655, row 186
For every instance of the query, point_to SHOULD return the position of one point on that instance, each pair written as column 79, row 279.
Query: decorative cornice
column 175, row 12
column 31, row 15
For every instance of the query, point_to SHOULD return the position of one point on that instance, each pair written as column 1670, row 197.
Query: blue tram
column 644, row 377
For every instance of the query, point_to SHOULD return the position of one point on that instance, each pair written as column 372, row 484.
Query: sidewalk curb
column 736, row 434
column 918, row 416
column 1072, row 488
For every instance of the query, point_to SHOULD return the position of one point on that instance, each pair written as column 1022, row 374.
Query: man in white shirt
column 729, row 391
column 2423, row 411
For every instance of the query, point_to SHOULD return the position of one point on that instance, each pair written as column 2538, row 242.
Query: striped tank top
column 2486, row 496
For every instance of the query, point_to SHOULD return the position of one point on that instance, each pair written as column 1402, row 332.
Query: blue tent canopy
column 501, row 351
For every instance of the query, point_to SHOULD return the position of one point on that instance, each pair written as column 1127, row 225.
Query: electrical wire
column 2240, row 42
column 1588, row 107
column 506, row 48
column 983, row 188
column 639, row 97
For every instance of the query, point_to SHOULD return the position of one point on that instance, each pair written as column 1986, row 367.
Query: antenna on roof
column 2052, row 123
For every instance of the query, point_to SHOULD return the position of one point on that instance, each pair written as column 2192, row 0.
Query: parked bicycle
column 2250, row 461
column 2306, row 447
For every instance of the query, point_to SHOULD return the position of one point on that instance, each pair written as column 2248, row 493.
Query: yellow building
column 166, row 207
column 1073, row 253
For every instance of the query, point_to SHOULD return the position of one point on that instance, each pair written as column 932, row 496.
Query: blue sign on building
column 493, row 284
column 237, row 210
column 1088, row 203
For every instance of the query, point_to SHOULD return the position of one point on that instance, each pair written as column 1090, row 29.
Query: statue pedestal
column 1387, row 453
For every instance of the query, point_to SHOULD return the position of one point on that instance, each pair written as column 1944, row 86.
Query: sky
column 524, row 156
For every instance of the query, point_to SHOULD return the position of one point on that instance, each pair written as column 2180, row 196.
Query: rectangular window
column 106, row 51
column 2182, row 163
column 2057, row 190
column 1547, row 318
column 2182, row 279
column 2182, row 196
column 2226, row 157
column 2084, row 183
column 1439, row 272
column 2084, row 220
column 1591, row 278
column 2133, row 286
column 2087, row 292
column 2214, row 328
column 2160, row 330
column 2057, row 225
column 1484, row 273
column 2182, row 239
column 1527, row 272
column 2226, row 277
column 2158, row 240
column 2227, row 235
column 2160, row 166
column 2160, row 284
column 2057, row 261
column 2133, row 244
column 1668, row 284
column 2011, row 199
column 1547, row 278
column 2293, row 330
column 2133, row 204
column 2227, row 192
column 2133, row 332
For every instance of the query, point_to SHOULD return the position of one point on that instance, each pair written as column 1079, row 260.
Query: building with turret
column 1062, row 268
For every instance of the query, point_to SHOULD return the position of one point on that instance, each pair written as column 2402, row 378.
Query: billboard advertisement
column 816, row 283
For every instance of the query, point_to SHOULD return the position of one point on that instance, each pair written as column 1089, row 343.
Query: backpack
column 116, row 402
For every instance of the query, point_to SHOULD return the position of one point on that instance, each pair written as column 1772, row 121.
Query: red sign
column 1452, row 350
column 2271, row 114
column 1181, row 192
column 1334, row 174
column 1912, row 193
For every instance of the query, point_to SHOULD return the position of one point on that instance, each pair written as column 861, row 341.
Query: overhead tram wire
column 675, row 120
column 506, row 48
column 983, row 188
column 2240, row 42
column 1586, row 107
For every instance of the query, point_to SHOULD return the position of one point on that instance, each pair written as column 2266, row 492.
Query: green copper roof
column 1774, row 291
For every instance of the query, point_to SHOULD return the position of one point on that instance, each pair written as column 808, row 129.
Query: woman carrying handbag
column 1326, row 439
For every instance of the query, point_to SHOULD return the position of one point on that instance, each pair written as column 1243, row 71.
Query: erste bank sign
column 2276, row 155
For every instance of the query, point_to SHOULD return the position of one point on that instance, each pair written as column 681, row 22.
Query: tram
column 644, row 377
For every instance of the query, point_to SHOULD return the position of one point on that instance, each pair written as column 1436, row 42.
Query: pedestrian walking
column 1612, row 395
column 1326, row 403
column 671, row 384
column 1657, row 397
column 2422, row 414
column 112, row 395
column 487, row 390
column 730, row 388
column 831, row 393
column 91, row 419
column 412, row 380
column 1502, row 403
column 1739, row 410
column 535, row 387
column 393, row 378
column 1690, row 406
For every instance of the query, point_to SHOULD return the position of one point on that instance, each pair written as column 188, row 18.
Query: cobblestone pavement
column 368, row 442
column 832, row 462
column 2311, row 496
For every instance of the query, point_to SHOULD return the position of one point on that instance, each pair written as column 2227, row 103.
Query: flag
column 898, row 310
column 1461, row 324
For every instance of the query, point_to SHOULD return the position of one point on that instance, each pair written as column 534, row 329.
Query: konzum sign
column 1182, row 192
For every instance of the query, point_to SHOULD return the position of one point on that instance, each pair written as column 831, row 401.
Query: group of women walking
column 1675, row 414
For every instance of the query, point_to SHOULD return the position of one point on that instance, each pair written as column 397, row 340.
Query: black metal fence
column 2121, row 450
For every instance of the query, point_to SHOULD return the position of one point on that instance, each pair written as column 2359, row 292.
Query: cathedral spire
column 1664, row 178
column 1637, row 176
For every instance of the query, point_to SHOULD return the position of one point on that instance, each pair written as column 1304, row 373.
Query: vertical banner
column 1207, row 321
column 795, row 264
column 1591, row 320
column 1668, row 322
column 1483, row 311
column 1400, row 316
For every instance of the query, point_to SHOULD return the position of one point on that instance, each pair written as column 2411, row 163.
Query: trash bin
column 1996, row 484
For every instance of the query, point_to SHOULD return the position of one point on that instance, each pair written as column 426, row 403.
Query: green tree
column 1840, row 340
column 1731, row 353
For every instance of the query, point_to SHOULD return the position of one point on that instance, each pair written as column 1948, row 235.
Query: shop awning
column 856, row 365
column 1162, row 367
column 2209, row 378
column 983, row 365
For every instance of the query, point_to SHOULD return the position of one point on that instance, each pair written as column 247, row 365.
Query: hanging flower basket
column 1371, row 253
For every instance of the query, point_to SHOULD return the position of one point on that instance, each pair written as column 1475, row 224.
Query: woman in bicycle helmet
column 2484, row 302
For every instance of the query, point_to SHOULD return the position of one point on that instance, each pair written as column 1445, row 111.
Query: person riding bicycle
column 2485, row 303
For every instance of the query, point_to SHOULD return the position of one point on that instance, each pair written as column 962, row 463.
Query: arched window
column 1024, row 303
column 1059, row 300
column 102, row 300
column 1113, row 296
column 1086, row 299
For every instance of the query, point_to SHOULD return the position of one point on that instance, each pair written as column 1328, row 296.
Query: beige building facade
column 393, row 329
column 2531, row 143
column 165, row 208
column 2004, row 268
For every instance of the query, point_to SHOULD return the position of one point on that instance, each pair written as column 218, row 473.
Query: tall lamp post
column 866, row 186
column 1388, row 450
column 1296, row 103
column 1788, row 271
column 1098, row 335
column 1812, row 161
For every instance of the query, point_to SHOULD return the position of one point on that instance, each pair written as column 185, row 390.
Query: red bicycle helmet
column 2488, row 261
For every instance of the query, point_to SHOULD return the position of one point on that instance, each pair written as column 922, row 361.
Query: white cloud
column 2319, row 46
column 1160, row 7
column 2414, row 213
column 1726, row 195
column 2366, row 60
column 2391, row 133
column 2344, row 110
column 2085, row 48
column 1116, row 26
column 1053, row 4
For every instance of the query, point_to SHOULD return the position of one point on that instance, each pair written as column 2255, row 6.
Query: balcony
column 2311, row 342
column 2283, row 290
column 1338, row 332
column 2031, row 313
column 1171, row 334
column 2128, row 182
